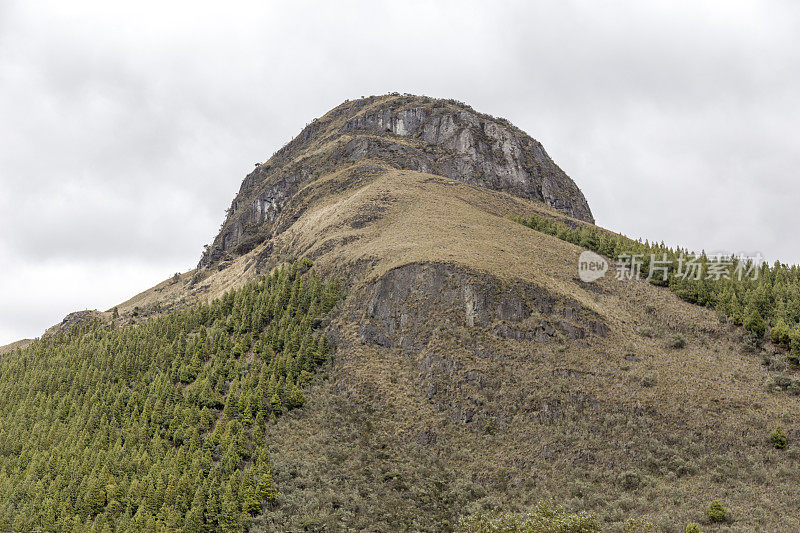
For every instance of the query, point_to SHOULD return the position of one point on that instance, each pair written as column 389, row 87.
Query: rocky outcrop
column 422, row 134
column 406, row 305
column 458, row 327
column 482, row 151
column 74, row 320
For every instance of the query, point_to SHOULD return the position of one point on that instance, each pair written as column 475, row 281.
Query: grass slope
column 624, row 425
column 621, row 425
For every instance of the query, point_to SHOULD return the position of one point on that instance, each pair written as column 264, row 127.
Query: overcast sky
column 126, row 131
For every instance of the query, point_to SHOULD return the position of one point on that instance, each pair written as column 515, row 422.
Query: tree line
column 763, row 298
column 161, row 425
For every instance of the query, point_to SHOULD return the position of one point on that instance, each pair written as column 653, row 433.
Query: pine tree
column 295, row 397
column 251, row 502
column 266, row 487
column 754, row 323
column 780, row 333
column 194, row 520
column 794, row 344
column 276, row 404
column 95, row 499
column 230, row 519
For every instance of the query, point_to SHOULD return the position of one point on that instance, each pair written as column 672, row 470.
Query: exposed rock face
column 441, row 137
column 457, row 327
column 487, row 153
column 73, row 320
column 406, row 305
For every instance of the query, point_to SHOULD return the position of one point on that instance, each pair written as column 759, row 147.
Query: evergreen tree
column 295, row 397
column 230, row 518
column 754, row 323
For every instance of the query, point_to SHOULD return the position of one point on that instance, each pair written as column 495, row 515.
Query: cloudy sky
column 125, row 132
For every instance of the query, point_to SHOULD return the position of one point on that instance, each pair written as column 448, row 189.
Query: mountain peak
column 402, row 132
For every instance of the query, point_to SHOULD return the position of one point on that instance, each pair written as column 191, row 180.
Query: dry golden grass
column 14, row 345
column 703, row 406
column 571, row 418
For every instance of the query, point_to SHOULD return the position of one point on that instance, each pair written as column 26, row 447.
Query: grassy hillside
column 630, row 424
column 14, row 345
column 474, row 371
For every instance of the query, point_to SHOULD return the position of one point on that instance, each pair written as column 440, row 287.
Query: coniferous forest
column 160, row 425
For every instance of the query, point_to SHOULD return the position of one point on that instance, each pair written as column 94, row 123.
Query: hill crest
column 441, row 137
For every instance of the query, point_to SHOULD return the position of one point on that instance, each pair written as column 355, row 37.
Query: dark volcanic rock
column 73, row 320
column 406, row 305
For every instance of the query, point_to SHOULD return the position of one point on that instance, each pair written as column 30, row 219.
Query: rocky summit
column 440, row 137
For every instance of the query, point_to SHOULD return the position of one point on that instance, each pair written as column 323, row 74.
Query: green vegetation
column 716, row 513
column 159, row 426
column 760, row 298
column 778, row 438
column 676, row 342
column 544, row 518
column 693, row 527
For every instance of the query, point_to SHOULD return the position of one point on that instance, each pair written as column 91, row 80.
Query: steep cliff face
column 441, row 137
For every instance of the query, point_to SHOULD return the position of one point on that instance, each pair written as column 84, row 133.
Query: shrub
column 638, row 525
column 716, row 512
column 676, row 342
column 778, row 438
column 777, row 363
column 312, row 525
column 649, row 380
column 693, row 527
column 751, row 342
column 630, row 480
column 544, row 518
column 646, row 331
column 305, row 265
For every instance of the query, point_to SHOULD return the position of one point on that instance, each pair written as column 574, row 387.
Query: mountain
column 470, row 367
column 445, row 138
